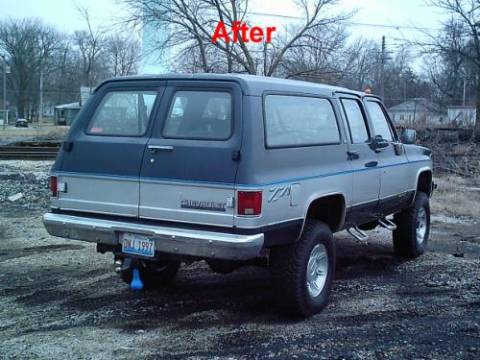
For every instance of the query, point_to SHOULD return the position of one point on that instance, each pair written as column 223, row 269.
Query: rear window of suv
column 123, row 113
column 204, row 115
column 299, row 121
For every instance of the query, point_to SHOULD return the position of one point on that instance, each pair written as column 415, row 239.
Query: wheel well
column 329, row 209
column 425, row 182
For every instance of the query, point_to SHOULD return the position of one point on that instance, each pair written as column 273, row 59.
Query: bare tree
column 28, row 44
column 359, row 64
column 317, row 56
column 451, row 74
column 192, row 23
column 90, row 44
column 64, row 73
column 122, row 54
column 460, row 39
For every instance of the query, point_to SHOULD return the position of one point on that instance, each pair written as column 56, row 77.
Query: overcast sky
column 64, row 14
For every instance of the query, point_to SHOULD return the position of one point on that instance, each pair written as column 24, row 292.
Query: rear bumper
column 205, row 244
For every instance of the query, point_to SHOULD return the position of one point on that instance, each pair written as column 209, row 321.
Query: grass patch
column 455, row 196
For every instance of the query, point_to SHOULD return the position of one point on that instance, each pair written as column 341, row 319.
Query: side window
column 199, row 115
column 122, row 113
column 299, row 121
column 356, row 121
column 379, row 121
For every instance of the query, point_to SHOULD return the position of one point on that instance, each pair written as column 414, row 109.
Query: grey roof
column 74, row 105
column 251, row 84
column 417, row 105
column 461, row 107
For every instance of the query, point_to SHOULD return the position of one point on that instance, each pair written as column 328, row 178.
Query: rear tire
column 154, row 275
column 410, row 239
column 303, row 271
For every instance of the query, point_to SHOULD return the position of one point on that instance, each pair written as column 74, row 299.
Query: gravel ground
column 60, row 299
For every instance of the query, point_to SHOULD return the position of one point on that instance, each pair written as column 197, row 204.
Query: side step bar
column 358, row 234
column 387, row 224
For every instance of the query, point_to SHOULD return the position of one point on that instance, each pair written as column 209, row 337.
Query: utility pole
column 5, row 113
column 40, row 97
column 464, row 91
column 414, row 109
column 382, row 70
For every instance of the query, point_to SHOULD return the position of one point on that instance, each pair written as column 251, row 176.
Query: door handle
column 371, row 164
column 154, row 148
column 353, row 155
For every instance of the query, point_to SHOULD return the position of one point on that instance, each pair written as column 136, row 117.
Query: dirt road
column 60, row 299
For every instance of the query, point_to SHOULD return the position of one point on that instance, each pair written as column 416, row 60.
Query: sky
column 64, row 13
column 406, row 14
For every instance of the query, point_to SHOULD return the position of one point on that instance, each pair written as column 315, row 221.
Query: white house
column 418, row 112
column 462, row 116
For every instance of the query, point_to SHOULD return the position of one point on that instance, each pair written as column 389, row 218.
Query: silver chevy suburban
column 237, row 169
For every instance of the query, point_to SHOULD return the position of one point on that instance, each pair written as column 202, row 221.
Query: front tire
column 410, row 239
column 303, row 272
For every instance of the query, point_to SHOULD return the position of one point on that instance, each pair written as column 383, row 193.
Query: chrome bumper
column 206, row 244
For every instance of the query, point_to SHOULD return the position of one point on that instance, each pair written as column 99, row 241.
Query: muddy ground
column 60, row 299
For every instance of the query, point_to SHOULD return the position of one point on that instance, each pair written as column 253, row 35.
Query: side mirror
column 408, row 136
column 379, row 143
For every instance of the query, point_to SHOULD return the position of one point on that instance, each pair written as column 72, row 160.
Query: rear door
column 190, row 162
column 101, row 163
column 364, row 160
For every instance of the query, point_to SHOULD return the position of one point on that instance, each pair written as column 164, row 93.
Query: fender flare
column 419, row 172
column 318, row 196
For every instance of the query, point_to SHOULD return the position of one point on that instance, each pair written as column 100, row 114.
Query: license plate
column 135, row 244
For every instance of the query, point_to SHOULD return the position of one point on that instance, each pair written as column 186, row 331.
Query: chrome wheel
column 317, row 270
column 421, row 225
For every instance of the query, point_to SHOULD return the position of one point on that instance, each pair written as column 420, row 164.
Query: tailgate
column 189, row 166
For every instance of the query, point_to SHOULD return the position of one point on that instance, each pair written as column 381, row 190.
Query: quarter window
column 299, row 121
column 203, row 115
column 379, row 121
column 123, row 113
column 356, row 121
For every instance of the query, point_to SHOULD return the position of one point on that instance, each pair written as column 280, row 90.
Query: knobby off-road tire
column 154, row 275
column 413, row 228
column 293, row 267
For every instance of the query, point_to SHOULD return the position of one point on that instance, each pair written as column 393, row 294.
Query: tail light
column 249, row 203
column 54, row 185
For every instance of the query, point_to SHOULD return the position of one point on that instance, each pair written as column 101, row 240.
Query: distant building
column 65, row 113
column 418, row 112
column 462, row 116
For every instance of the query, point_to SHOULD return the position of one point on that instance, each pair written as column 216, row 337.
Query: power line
column 395, row 27
column 355, row 23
